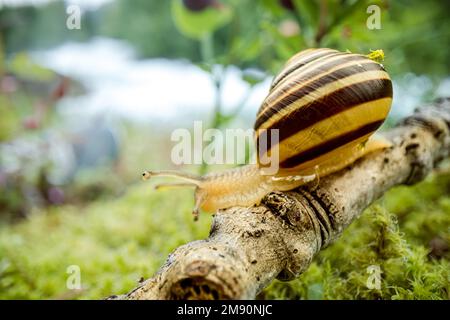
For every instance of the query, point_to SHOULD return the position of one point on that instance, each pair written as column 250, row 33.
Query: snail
column 326, row 105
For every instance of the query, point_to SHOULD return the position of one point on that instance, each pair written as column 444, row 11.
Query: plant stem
column 207, row 48
column 207, row 52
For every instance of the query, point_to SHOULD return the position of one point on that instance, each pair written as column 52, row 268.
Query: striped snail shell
column 325, row 105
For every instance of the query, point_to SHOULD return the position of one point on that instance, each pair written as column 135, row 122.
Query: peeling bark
column 249, row 247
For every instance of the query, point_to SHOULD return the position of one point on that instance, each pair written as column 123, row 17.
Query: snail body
column 325, row 105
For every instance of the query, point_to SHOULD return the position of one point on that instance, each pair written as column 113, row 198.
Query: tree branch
column 248, row 247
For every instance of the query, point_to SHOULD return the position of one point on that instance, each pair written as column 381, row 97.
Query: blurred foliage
column 29, row 27
column 201, row 23
column 8, row 120
column 118, row 234
column 414, row 34
column 265, row 34
column 25, row 89
column 21, row 65
column 116, row 242
column 21, row 73
column 149, row 28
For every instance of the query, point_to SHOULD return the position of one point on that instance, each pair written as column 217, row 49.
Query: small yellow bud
column 376, row 55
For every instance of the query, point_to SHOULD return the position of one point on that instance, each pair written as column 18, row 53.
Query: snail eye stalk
column 186, row 177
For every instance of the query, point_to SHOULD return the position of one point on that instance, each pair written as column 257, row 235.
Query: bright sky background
column 143, row 89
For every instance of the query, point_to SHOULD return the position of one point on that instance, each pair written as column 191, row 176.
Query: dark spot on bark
column 413, row 135
column 254, row 261
column 386, row 160
column 438, row 134
column 185, row 283
column 206, row 289
column 197, row 290
column 411, row 146
column 258, row 278
column 222, row 256
column 214, row 248
column 257, row 233
column 213, row 229
column 295, row 251
column 336, row 189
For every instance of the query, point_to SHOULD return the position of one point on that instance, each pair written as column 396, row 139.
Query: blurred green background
column 83, row 111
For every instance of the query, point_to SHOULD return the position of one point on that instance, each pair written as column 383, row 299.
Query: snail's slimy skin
column 245, row 186
column 242, row 186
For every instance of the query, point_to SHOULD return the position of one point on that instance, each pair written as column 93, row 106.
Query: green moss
column 116, row 242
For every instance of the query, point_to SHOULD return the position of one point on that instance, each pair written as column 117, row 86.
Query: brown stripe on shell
column 336, row 102
column 330, row 145
column 311, row 74
column 300, row 64
column 303, row 90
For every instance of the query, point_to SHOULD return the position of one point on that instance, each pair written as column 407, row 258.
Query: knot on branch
column 197, row 288
column 305, row 210
column 307, row 217
column 435, row 119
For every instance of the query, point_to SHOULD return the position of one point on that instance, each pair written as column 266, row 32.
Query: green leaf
column 273, row 7
column 198, row 25
column 23, row 66
column 247, row 49
column 309, row 13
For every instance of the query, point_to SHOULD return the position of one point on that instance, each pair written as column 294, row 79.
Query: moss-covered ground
column 115, row 242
